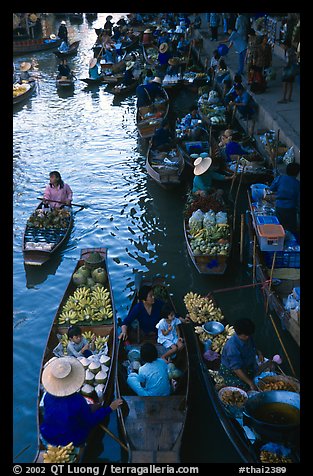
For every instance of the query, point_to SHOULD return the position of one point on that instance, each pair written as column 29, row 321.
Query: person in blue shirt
column 146, row 311
column 243, row 102
column 67, row 417
column 287, row 191
column 93, row 69
column 152, row 379
column 232, row 148
column 240, row 44
column 162, row 138
column 204, row 176
column 239, row 356
column 147, row 93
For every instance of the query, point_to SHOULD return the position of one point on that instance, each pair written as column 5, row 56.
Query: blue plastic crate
column 267, row 220
column 284, row 259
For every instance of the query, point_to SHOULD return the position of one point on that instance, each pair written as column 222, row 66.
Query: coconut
column 94, row 367
column 85, row 362
column 99, row 275
column 101, row 377
column 99, row 390
column 79, row 278
column 87, row 390
column 84, row 271
column 104, row 368
column 89, row 377
column 90, row 282
column 105, row 359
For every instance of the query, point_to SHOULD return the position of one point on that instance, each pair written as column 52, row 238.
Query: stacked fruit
column 219, row 340
column 59, row 454
column 202, row 309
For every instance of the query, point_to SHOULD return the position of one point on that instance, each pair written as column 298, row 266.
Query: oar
column 58, row 201
column 104, row 428
column 22, row 451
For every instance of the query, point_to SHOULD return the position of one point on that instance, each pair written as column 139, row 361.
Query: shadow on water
column 38, row 274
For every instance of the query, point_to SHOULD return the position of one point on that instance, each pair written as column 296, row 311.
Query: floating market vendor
column 239, row 356
column 93, row 69
column 162, row 138
column 67, row 415
column 204, row 176
column 78, row 345
column 24, row 72
column 63, row 33
column 57, row 190
column 146, row 311
column 64, row 69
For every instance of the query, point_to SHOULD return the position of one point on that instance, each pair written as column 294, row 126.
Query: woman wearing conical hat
column 204, row 176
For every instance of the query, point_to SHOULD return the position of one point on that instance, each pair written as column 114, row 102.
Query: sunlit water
column 93, row 141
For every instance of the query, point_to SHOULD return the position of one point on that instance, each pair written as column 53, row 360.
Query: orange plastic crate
column 271, row 237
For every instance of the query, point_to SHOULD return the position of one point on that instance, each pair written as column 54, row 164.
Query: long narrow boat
column 149, row 118
column 246, row 442
column 152, row 427
column 123, row 90
column 150, row 54
column 165, row 168
column 104, row 330
column 24, row 90
column 21, row 47
column 72, row 51
column 209, row 245
column 40, row 240
column 284, row 277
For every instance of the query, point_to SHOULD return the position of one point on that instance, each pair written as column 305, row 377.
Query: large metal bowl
column 213, row 327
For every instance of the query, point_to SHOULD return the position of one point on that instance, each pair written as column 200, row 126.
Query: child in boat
column 169, row 332
column 78, row 345
column 152, row 379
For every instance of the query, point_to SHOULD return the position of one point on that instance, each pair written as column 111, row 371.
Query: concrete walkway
column 271, row 115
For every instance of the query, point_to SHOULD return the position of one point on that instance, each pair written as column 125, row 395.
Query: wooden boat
column 283, row 274
column 122, row 90
column 39, row 244
column 152, row 427
column 131, row 45
column 210, row 252
column 231, row 417
column 245, row 441
column 93, row 82
column 29, row 89
column 165, row 168
column 71, row 51
column 21, row 47
column 64, row 82
column 149, row 118
column 105, row 328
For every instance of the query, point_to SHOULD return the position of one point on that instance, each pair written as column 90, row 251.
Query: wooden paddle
column 104, row 428
column 58, row 201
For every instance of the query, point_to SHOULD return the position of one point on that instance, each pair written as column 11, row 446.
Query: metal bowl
column 213, row 327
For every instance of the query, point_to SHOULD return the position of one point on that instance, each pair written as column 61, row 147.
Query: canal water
column 92, row 139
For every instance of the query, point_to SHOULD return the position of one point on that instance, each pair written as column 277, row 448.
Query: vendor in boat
column 67, row 415
column 204, row 176
column 174, row 66
column 287, row 197
column 108, row 26
column 147, row 93
column 152, row 379
column 230, row 148
column 239, row 359
column 146, row 311
column 162, row 138
column 128, row 77
column 24, row 72
column 163, row 57
column 193, row 124
column 63, row 69
column 57, row 190
column 93, row 69
column 63, row 33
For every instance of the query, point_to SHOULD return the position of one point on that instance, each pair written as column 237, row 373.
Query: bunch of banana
column 203, row 336
column 202, row 309
column 100, row 342
column 59, row 454
column 88, row 335
column 64, row 341
column 269, row 457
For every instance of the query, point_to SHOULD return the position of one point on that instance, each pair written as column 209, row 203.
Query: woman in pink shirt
column 57, row 190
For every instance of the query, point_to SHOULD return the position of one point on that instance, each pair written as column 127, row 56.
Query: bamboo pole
column 276, row 152
column 270, row 283
column 236, row 197
column 242, row 224
column 253, row 259
column 283, row 347
column 235, row 175
column 104, row 428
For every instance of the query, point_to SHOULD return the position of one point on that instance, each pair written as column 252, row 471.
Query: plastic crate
column 197, row 147
column 284, row 259
column 266, row 220
column 271, row 237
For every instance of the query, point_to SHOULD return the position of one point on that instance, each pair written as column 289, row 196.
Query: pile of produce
column 212, row 107
column 203, row 309
column 275, row 453
column 232, row 396
column 277, row 382
column 96, row 374
column 60, row 454
column 87, row 277
column 19, row 89
column 46, row 218
column 152, row 54
column 202, row 203
column 87, row 306
column 209, row 233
